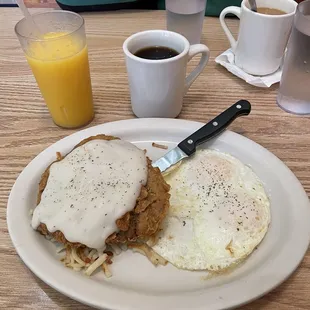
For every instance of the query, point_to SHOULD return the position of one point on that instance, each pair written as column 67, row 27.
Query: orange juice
column 60, row 66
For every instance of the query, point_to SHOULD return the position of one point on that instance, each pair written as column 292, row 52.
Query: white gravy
column 92, row 187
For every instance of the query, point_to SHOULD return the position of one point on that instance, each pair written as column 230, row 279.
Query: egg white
column 219, row 213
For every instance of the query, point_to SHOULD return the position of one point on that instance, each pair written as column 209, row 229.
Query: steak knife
column 188, row 146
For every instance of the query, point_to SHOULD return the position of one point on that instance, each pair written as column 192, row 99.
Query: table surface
column 26, row 129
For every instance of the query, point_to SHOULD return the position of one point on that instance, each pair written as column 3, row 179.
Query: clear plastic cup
column 58, row 57
column 186, row 17
column 294, row 95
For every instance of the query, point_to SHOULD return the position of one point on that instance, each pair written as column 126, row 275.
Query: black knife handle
column 214, row 127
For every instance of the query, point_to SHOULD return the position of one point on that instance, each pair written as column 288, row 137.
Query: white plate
column 136, row 283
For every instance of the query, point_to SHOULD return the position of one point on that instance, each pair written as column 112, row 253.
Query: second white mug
column 262, row 38
column 157, row 87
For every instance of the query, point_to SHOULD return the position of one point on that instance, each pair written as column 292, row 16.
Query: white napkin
column 227, row 60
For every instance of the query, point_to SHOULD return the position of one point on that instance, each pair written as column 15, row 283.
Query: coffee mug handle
column 205, row 54
column 229, row 10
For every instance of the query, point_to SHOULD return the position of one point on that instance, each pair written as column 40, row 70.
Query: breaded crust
column 137, row 225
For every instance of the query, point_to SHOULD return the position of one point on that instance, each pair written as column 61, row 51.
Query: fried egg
column 219, row 213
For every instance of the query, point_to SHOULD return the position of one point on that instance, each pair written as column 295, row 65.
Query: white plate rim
column 128, row 299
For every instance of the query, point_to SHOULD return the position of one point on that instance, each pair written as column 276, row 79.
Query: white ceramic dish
column 136, row 283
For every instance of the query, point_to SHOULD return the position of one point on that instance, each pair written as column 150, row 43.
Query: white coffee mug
column 262, row 38
column 157, row 87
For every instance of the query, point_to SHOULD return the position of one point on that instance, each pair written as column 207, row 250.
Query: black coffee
column 156, row 52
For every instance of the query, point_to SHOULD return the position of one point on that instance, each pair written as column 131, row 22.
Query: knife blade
column 188, row 146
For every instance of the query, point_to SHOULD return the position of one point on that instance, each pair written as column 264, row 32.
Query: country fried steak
column 138, row 225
